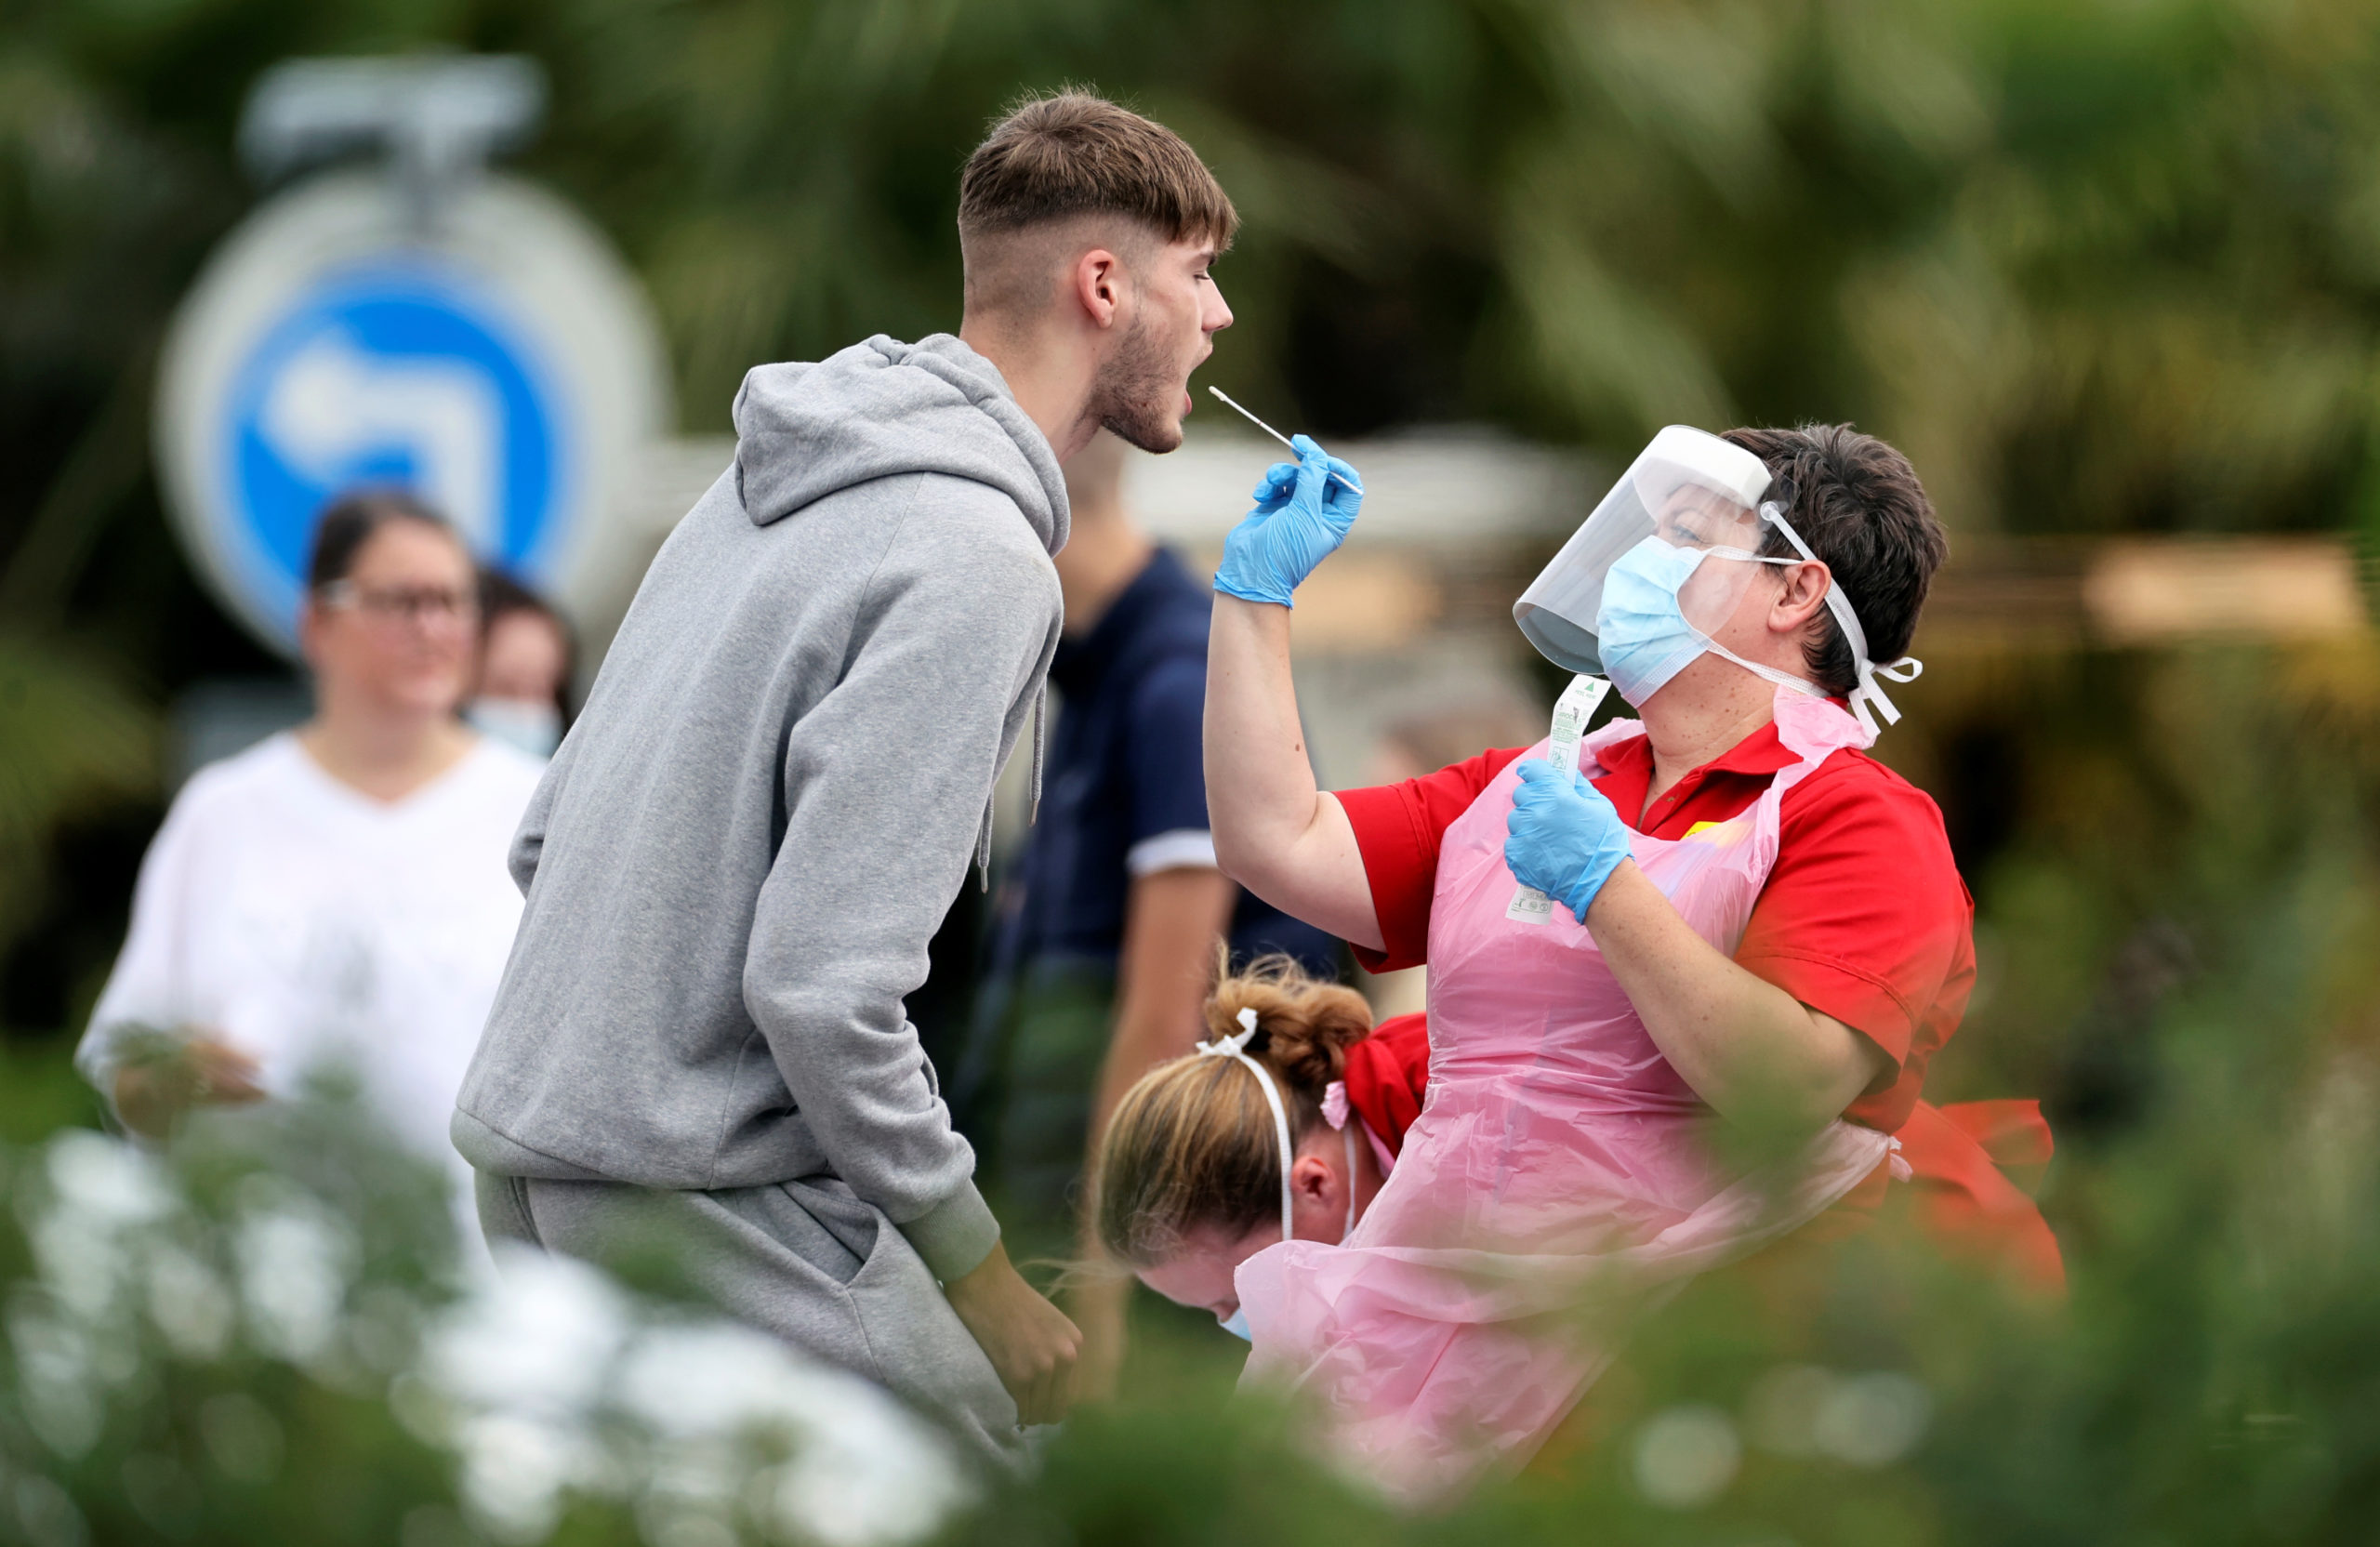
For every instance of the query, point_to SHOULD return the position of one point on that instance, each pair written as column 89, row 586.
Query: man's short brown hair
column 1857, row 503
column 1071, row 154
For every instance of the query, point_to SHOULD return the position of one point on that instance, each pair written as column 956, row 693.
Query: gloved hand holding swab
column 1225, row 400
column 1303, row 511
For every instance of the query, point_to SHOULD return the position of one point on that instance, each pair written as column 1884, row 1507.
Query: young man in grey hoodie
column 784, row 771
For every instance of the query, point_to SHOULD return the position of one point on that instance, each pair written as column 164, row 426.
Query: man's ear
column 1098, row 286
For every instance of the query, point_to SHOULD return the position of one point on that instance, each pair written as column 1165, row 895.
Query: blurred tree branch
column 107, row 464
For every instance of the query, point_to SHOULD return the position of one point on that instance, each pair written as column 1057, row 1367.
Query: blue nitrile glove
column 1301, row 516
column 1565, row 839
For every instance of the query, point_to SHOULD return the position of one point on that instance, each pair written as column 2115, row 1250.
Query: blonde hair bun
column 1304, row 1024
column 1193, row 1144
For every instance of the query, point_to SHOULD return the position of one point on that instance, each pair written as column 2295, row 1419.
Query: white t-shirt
column 299, row 920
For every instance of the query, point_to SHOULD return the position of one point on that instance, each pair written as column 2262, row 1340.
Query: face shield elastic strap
column 1868, row 691
column 1236, row 1047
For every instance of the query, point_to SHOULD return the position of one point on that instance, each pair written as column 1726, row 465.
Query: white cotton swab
column 1353, row 486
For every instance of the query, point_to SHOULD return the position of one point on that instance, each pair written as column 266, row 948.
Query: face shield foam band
column 1684, row 478
column 1236, row 1047
column 1630, row 596
column 1868, row 692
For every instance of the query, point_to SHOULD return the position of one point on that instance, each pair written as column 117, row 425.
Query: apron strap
column 1965, row 1196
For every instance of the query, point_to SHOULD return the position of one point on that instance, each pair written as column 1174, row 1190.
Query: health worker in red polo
column 1744, row 920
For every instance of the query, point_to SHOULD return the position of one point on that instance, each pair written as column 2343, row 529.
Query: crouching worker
column 1280, row 1127
column 1197, row 1176
column 1708, row 1020
column 784, row 770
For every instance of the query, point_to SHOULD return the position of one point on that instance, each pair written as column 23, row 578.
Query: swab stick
column 1353, row 487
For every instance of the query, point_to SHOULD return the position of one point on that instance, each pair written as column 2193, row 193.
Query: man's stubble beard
column 1133, row 395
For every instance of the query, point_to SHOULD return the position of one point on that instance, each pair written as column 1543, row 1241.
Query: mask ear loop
column 1336, row 1112
column 1907, row 669
column 1236, row 1047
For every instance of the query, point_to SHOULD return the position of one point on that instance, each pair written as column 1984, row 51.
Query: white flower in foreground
column 865, row 1470
column 536, row 1338
column 1868, row 1419
column 189, row 1303
column 1873, row 1420
column 1687, row 1457
column 107, row 1181
column 296, row 1259
column 515, row 1469
column 549, row 1355
column 1781, row 1410
column 103, row 1194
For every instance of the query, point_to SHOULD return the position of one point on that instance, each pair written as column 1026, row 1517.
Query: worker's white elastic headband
column 1236, row 1047
column 1907, row 669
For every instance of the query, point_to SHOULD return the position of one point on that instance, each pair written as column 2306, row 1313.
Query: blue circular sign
column 401, row 375
column 499, row 362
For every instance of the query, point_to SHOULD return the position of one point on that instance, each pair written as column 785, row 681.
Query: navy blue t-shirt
column 1125, row 789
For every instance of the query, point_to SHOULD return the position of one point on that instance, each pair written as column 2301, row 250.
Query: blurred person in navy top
column 1102, row 941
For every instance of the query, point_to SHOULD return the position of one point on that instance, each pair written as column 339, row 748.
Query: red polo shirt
column 1864, row 917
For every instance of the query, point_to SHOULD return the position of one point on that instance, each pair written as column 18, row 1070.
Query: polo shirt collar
column 1759, row 754
column 1628, row 770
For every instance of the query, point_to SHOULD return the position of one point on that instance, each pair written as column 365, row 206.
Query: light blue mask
column 1641, row 631
column 532, row 728
column 1236, row 1325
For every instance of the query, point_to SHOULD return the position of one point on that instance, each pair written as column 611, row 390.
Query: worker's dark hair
column 348, row 522
column 1857, row 503
column 1072, row 153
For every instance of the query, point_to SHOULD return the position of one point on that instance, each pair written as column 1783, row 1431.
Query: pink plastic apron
column 1559, row 1182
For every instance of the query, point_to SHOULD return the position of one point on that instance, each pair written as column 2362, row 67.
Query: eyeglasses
column 411, row 604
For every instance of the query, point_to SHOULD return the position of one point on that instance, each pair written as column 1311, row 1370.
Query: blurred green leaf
column 72, row 738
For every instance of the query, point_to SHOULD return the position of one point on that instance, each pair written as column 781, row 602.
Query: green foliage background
column 2101, row 266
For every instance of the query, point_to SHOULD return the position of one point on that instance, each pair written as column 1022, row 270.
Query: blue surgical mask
column 1236, row 1325
column 1641, row 631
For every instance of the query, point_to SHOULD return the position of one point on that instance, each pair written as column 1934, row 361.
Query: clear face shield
column 1654, row 577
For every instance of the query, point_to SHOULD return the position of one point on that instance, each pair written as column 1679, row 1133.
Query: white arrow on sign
column 333, row 406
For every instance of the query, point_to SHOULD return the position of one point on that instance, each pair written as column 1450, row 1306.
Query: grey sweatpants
column 806, row 1262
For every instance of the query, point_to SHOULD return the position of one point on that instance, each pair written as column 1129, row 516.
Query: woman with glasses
column 335, row 896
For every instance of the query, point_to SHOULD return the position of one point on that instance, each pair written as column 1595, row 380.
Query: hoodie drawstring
column 1040, row 744
column 1040, row 741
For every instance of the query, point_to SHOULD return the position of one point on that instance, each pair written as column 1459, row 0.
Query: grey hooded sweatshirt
column 739, row 855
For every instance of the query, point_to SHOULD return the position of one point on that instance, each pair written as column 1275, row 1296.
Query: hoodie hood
column 883, row 408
